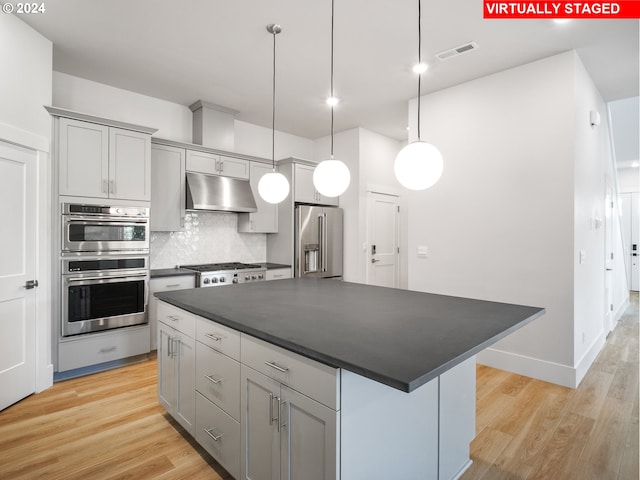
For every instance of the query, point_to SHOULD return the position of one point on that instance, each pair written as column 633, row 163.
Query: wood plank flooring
column 110, row 426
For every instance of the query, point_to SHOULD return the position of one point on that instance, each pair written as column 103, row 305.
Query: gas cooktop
column 217, row 267
column 214, row 274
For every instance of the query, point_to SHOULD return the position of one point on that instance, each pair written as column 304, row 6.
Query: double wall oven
column 105, row 267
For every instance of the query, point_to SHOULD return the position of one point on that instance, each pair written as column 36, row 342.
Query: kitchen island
column 329, row 379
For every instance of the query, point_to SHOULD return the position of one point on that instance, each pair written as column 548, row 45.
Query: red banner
column 562, row 9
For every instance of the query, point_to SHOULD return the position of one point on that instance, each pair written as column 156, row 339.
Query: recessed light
column 332, row 101
column 635, row 165
column 561, row 20
column 420, row 68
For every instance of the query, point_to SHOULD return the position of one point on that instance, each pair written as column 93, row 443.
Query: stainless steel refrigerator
column 318, row 245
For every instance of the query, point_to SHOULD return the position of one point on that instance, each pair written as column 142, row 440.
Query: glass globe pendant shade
column 273, row 187
column 331, row 178
column 418, row 166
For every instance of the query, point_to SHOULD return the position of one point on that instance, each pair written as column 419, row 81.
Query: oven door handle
column 107, row 220
column 114, row 277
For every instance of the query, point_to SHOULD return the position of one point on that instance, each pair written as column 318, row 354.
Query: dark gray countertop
column 397, row 337
column 169, row 272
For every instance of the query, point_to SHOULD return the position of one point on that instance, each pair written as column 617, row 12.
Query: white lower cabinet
column 285, row 434
column 176, row 367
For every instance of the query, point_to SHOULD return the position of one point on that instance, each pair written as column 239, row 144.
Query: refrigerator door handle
column 324, row 242
column 321, row 250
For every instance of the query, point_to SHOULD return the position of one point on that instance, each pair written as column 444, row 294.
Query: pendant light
column 331, row 177
column 273, row 187
column 419, row 164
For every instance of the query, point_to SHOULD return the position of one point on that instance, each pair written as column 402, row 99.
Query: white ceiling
column 219, row 51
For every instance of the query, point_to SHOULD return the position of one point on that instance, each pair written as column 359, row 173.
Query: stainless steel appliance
column 217, row 193
column 216, row 274
column 99, row 228
column 318, row 241
column 103, row 292
column 104, row 267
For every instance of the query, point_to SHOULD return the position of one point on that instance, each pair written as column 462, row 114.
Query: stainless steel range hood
column 214, row 193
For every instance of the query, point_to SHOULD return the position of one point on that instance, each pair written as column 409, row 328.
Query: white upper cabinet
column 305, row 191
column 167, row 188
column 213, row 164
column 103, row 162
column 265, row 219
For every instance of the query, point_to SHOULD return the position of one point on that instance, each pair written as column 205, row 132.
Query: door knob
column 31, row 284
column 374, row 260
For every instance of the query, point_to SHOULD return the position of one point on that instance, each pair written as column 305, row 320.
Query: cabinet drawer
column 177, row 318
column 176, row 282
column 219, row 434
column 99, row 348
column 278, row 274
column 218, row 379
column 316, row 380
column 218, row 337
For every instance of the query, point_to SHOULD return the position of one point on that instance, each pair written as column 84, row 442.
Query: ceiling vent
column 454, row 52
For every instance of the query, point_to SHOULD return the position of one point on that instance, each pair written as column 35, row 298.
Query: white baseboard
column 557, row 373
column 528, row 366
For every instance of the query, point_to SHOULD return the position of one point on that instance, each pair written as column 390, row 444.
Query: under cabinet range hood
column 215, row 193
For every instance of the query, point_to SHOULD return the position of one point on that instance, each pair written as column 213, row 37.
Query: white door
column 17, row 268
column 383, row 258
column 635, row 241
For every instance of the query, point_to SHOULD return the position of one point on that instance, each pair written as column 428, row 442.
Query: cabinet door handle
column 105, row 186
column 271, row 419
column 112, row 186
column 175, row 347
column 215, row 338
column 209, row 431
column 214, row 379
column 169, row 344
column 221, row 166
column 280, row 405
column 277, row 367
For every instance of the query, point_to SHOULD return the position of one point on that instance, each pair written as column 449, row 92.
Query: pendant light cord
column 332, row 97
column 273, row 109
column 419, row 60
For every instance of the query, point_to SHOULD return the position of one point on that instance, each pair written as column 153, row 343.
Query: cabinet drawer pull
column 209, row 431
column 172, row 285
column 215, row 338
column 277, row 367
column 214, row 379
column 108, row 349
column 173, row 318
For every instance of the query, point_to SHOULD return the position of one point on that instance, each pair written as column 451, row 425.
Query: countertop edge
column 406, row 387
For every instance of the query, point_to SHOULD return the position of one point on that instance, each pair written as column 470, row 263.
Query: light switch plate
column 423, row 251
column 583, row 256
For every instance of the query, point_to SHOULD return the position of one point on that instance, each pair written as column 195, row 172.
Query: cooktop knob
column 260, row 276
column 214, row 280
column 247, row 277
column 254, row 277
column 205, row 281
column 235, row 280
column 222, row 279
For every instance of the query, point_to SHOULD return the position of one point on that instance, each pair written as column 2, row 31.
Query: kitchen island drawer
column 218, row 379
column 316, row 380
column 177, row 318
column 218, row 337
column 219, row 434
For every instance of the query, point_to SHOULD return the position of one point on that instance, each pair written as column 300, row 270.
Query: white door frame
column 17, row 138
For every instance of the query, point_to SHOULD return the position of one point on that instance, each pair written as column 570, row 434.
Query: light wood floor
column 110, row 426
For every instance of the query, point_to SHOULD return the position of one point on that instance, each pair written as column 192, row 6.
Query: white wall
column 173, row 121
column 592, row 159
column 25, row 83
column 629, row 179
column 499, row 223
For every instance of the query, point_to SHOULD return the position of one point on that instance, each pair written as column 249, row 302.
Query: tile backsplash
column 208, row 237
